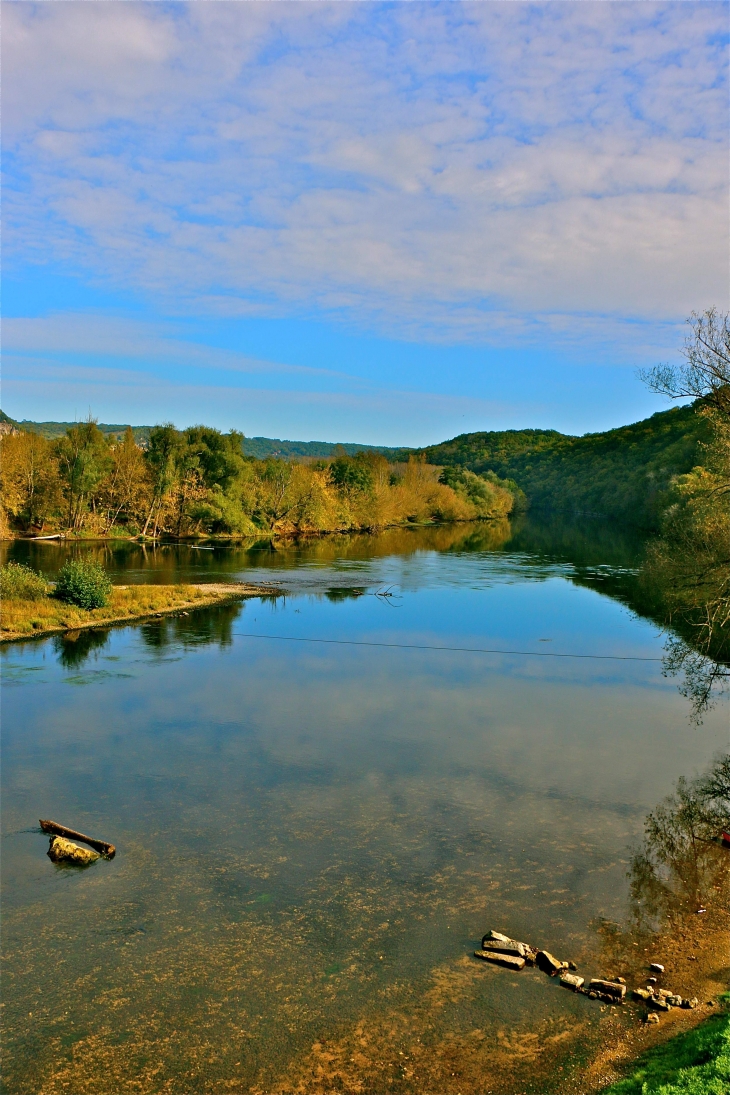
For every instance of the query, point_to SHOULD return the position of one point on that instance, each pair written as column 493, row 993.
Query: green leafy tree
column 84, row 460
column 162, row 460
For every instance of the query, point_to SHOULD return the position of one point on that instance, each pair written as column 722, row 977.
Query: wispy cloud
column 142, row 344
column 437, row 171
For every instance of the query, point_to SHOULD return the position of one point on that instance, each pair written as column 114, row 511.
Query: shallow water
column 312, row 837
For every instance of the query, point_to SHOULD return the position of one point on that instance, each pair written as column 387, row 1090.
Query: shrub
column 84, row 584
column 22, row 583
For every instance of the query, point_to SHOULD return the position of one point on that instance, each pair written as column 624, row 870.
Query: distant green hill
column 58, row 429
column 622, row 473
column 261, row 447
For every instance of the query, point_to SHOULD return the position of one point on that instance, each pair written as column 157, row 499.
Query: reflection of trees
column 74, row 647
column 201, row 628
column 704, row 678
column 682, row 863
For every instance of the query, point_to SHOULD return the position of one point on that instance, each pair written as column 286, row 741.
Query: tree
column 84, row 459
column 689, row 563
column 161, row 455
column 220, row 456
column 705, row 373
column 29, row 482
column 126, row 489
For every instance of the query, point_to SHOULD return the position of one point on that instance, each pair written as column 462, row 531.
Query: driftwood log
column 102, row 846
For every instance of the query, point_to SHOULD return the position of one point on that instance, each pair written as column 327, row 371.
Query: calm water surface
column 312, row 838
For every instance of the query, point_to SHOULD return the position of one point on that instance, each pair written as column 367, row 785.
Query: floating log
column 102, row 846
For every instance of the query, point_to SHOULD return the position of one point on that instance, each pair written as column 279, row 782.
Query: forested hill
column 260, row 447
column 263, row 447
column 621, row 473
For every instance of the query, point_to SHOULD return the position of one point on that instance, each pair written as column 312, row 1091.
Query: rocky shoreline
column 513, row 954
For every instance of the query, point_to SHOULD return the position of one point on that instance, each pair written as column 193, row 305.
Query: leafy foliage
column 200, row 481
column 22, row 583
column 84, row 584
column 623, row 473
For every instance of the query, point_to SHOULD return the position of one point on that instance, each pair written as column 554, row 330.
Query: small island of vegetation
column 83, row 597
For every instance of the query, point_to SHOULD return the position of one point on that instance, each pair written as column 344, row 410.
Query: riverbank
column 696, row 1062
column 47, row 616
column 694, row 952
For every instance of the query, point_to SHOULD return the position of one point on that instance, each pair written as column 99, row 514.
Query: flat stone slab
column 496, row 937
column 511, row 961
column 571, row 981
column 515, row 949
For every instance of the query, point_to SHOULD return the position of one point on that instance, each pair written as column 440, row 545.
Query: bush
column 84, row 584
column 22, row 583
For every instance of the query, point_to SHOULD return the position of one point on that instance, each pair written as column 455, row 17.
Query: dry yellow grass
column 20, row 619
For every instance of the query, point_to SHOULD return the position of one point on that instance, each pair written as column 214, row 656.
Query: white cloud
column 416, row 167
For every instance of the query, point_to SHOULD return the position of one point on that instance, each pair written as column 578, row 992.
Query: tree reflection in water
column 682, row 865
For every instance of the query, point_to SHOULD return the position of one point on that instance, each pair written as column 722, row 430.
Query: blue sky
column 387, row 223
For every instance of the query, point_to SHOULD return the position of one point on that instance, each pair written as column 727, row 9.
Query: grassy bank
column 696, row 1062
column 20, row 619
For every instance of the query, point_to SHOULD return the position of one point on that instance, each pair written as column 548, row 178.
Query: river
column 321, row 801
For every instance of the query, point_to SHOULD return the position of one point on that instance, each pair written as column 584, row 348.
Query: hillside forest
column 199, row 481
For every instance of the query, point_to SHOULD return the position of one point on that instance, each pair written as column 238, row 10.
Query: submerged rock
column 642, row 994
column 659, row 1003
column 656, row 967
column 693, row 1003
column 652, row 1017
column 65, row 851
column 513, row 962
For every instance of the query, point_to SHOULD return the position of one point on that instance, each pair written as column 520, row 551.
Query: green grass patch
column 694, row 1063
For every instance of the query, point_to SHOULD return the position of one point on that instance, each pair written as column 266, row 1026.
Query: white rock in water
column 656, row 967
column 65, row 851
